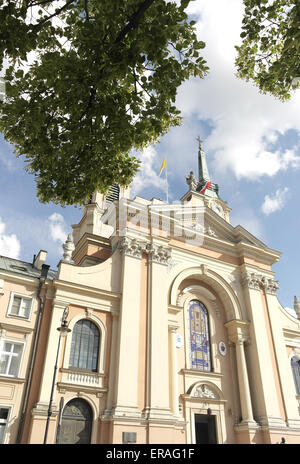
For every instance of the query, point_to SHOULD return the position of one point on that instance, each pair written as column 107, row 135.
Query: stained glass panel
column 199, row 336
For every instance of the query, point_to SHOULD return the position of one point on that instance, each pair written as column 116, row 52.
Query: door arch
column 76, row 425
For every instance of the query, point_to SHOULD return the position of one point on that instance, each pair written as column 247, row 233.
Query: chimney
column 40, row 259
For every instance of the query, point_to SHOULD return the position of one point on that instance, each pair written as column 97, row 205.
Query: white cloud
column 58, row 227
column 243, row 121
column 291, row 311
column 148, row 176
column 247, row 219
column 275, row 202
column 9, row 244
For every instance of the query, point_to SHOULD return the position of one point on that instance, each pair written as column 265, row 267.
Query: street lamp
column 63, row 330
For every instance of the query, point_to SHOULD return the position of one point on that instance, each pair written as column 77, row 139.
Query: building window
column 113, row 194
column 20, row 306
column 3, row 422
column 10, row 358
column 295, row 363
column 85, row 346
column 199, row 336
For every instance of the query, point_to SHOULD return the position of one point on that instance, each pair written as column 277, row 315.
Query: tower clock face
column 217, row 208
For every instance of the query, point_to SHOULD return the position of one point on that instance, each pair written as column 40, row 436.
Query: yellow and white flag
column 162, row 166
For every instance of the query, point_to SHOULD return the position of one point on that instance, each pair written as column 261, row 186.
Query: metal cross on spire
column 199, row 141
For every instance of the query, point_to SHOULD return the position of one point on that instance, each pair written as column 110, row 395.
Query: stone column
column 174, row 372
column 238, row 334
column 246, row 406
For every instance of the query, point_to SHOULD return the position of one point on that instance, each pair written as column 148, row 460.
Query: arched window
column 85, row 346
column 295, row 363
column 199, row 336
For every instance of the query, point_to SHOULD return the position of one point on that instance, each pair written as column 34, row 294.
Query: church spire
column 202, row 165
column 205, row 185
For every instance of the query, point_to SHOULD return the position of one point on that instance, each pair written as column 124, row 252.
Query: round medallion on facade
column 222, row 348
column 179, row 341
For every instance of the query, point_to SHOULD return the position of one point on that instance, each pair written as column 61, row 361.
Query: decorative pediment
column 206, row 391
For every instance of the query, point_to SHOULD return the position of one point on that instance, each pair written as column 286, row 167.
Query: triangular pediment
column 217, row 227
column 221, row 236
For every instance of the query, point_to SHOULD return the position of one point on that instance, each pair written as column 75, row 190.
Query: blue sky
column 252, row 143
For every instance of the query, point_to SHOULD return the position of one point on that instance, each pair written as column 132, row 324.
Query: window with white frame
column 20, row 306
column 10, row 358
column 85, row 346
column 4, row 413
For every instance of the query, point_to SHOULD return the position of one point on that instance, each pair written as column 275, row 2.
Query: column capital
column 173, row 328
column 132, row 247
column 158, row 253
column 256, row 281
column 238, row 331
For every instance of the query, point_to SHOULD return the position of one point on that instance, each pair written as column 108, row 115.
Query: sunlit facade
column 175, row 332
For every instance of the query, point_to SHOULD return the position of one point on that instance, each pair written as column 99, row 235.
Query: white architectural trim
column 20, row 295
column 95, row 411
column 9, row 421
column 212, row 399
column 103, row 338
column 187, row 298
column 218, row 283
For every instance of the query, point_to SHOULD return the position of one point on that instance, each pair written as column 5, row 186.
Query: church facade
column 161, row 325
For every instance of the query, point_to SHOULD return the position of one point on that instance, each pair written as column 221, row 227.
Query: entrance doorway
column 76, row 423
column 205, row 429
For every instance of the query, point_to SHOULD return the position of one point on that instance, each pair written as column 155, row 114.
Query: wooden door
column 76, row 423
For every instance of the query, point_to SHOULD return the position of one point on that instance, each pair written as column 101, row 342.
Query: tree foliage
column 87, row 82
column 270, row 50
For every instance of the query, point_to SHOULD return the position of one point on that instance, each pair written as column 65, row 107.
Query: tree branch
column 86, row 10
column 134, row 20
column 57, row 12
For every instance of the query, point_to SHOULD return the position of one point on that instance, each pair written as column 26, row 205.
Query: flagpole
column 167, row 180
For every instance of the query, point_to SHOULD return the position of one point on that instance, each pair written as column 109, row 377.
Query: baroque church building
column 161, row 325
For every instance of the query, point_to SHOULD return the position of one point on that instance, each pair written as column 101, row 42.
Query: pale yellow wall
column 18, row 330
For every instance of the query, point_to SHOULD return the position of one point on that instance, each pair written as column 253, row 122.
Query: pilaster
column 264, row 380
column 46, row 381
column 174, row 371
column 283, row 366
column 112, row 365
column 127, row 365
column 158, row 376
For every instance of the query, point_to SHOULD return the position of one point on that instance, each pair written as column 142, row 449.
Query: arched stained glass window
column 295, row 363
column 199, row 336
column 85, row 346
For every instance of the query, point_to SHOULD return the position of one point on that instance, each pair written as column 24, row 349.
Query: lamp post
column 63, row 330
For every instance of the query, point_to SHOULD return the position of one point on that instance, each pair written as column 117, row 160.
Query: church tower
column 203, row 189
column 91, row 235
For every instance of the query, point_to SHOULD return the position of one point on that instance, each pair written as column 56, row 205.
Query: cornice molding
column 80, row 289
